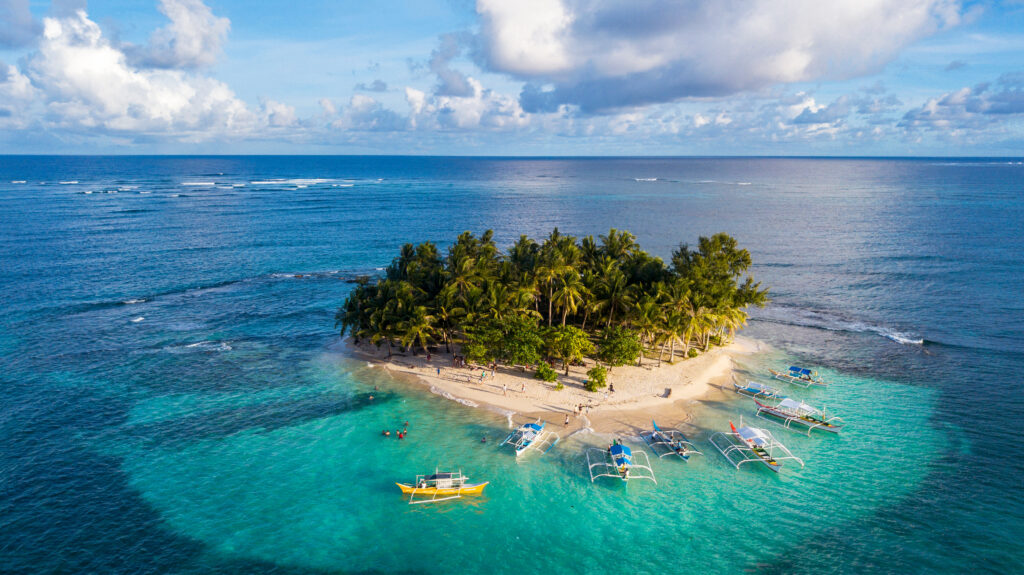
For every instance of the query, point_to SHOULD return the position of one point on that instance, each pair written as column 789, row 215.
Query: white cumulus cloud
column 606, row 54
column 87, row 82
column 193, row 38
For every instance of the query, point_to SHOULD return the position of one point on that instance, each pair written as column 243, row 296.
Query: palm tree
column 614, row 293
column 618, row 245
column 571, row 292
column 418, row 328
column 646, row 317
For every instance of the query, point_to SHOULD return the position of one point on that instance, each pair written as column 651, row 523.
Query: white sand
column 641, row 393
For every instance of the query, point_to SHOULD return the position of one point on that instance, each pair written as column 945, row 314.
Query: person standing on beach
column 504, row 390
column 566, row 419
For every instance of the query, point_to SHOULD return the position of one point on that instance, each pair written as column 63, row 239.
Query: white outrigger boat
column 619, row 461
column 669, row 442
column 752, row 444
column 793, row 411
column 757, row 389
column 799, row 376
column 440, row 487
column 531, row 436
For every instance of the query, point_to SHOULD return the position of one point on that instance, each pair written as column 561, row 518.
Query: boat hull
column 796, row 380
column 468, row 489
column 829, row 427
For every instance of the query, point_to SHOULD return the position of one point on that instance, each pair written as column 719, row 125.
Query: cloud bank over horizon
column 599, row 77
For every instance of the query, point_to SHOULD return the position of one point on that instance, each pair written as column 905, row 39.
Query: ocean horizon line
column 525, row 157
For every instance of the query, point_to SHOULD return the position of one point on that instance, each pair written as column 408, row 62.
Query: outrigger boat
column 669, row 442
column 531, row 436
column 756, row 389
column 440, row 487
column 791, row 411
column 619, row 461
column 799, row 376
column 752, row 444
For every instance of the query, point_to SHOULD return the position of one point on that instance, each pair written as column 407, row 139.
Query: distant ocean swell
column 200, row 289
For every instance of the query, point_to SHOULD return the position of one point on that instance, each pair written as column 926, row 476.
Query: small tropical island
column 595, row 329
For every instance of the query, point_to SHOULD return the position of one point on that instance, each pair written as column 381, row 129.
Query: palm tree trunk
column 551, row 302
column 672, row 352
column 662, row 354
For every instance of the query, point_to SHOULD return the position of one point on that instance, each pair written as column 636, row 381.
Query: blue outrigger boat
column 757, row 390
column 531, row 436
column 669, row 442
column 619, row 461
column 799, row 376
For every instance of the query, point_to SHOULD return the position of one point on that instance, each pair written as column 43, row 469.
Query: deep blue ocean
column 174, row 398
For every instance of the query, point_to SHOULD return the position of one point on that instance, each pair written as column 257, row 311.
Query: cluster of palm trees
column 426, row 299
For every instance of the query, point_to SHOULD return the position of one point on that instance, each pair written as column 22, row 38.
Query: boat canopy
column 799, row 370
column 533, row 426
column 752, row 434
column 620, row 449
column 796, row 406
column 437, row 476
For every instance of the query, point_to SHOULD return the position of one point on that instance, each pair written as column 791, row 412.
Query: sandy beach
column 640, row 392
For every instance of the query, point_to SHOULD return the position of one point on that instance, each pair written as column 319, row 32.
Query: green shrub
column 716, row 340
column 545, row 373
column 597, row 378
column 692, row 353
column 559, row 386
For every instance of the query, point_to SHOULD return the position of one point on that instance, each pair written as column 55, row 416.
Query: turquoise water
column 227, row 431
column 319, row 494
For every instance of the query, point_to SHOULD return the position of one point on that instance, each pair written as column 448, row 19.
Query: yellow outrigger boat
column 440, row 486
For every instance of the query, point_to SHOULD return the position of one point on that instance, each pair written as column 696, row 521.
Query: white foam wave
column 645, row 179
column 145, row 192
column 138, row 319
column 823, row 320
column 87, row 192
column 898, row 337
column 342, row 185
column 298, row 182
column 742, row 183
column 67, row 182
column 133, row 300
column 17, row 181
column 447, row 395
column 209, row 346
column 204, row 184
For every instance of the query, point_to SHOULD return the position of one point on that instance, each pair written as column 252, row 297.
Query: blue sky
column 524, row 77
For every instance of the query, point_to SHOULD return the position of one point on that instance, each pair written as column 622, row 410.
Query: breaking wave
column 803, row 317
column 200, row 346
column 447, row 395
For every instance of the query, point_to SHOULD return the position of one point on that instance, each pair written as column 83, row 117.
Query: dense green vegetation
column 561, row 299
